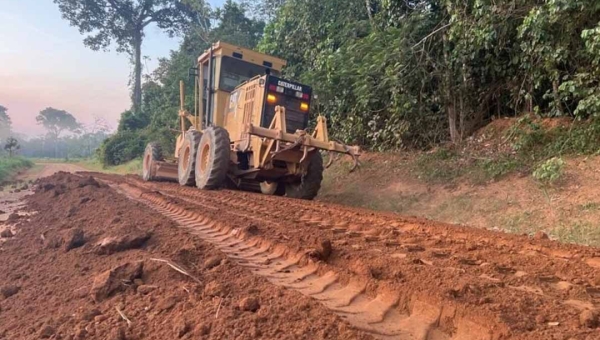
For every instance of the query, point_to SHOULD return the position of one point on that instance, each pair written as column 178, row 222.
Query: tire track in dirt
column 349, row 222
column 375, row 315
column 527, row 285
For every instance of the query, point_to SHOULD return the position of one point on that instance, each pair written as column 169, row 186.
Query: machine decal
column 289, row 86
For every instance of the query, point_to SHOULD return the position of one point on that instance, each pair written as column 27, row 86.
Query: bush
column 125, row 146
column 122, row 147
column 550, row 171
column 10, row 165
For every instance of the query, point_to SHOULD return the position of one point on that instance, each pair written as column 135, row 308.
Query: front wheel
column 187, row 157
column 152, row 154
column 310, row 183
column 212, row 159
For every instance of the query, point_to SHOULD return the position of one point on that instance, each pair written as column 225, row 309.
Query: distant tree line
column 80, row 142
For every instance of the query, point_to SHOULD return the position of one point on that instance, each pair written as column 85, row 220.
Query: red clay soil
column 74, row 267
column 261, row 267
column 481, row 284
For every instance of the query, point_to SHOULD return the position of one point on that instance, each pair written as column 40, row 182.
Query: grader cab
column 249, row 129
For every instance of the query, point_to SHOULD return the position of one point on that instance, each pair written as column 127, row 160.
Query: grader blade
column 166, row 171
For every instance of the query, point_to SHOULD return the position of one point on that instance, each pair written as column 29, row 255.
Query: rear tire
column 186, row 163
column 152, row 154
column 310, row 184
column 212, row 159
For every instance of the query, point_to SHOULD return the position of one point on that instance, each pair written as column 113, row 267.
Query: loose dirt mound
column 60, row 283
column 396, row 277
column 100, row 262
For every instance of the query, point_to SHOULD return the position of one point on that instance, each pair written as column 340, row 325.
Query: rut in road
column 380, row 315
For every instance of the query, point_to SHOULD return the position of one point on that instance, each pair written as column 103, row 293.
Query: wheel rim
column 205, row 157
column 185, row 161
column 147, row 161
column 268, row 188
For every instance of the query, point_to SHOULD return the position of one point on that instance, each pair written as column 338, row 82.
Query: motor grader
column 249, row 129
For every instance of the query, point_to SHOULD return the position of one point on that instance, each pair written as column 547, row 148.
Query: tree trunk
column 137, row 83
column 557, row 105
column 451, row 110
column 369, row 10
column 530, row 101
column 450, row 98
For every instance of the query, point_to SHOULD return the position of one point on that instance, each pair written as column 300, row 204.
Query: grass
column 440, row 166
column 566, row 231
column 38, row 160
column 445, row 166
column 530, row 146
column 9, row 166
column 521, row 223
column 589, row 206
column 131, row 167
column 579, row 232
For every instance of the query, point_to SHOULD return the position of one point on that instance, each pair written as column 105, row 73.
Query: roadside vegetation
column 529, row 146
column 131, row 167
column 10, row 166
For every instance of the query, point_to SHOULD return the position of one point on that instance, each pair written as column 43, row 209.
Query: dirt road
column 233, row 265
column 49, row 169
column 12, row 196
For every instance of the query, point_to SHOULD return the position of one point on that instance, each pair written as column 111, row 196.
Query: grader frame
column 261, row 149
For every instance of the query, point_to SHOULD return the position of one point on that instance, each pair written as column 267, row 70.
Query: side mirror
column 193, row 72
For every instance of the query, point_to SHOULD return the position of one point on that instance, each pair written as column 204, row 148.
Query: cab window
column 235, row 71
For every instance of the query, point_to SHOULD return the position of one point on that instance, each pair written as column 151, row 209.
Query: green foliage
column 526, row 135
column 494, row 169
column 122, row 147
column 558, row 44
column 399, row 74
column 130, row 121
column 11, row 165
column 236, row 27
column 549, row 171
column 531, row 140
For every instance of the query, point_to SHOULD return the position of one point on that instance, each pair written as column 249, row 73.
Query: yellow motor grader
column 248, row 129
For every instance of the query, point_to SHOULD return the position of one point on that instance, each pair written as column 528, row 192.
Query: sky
column 43, row 63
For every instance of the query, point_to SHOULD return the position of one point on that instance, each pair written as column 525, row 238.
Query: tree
column 5, row 122
column 12, row 145
column 264, row 9
column 235, row 27
column 56, row 122
column 160, row 101
column 123, row 22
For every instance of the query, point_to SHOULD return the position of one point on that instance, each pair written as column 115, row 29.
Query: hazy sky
column 43, row 63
